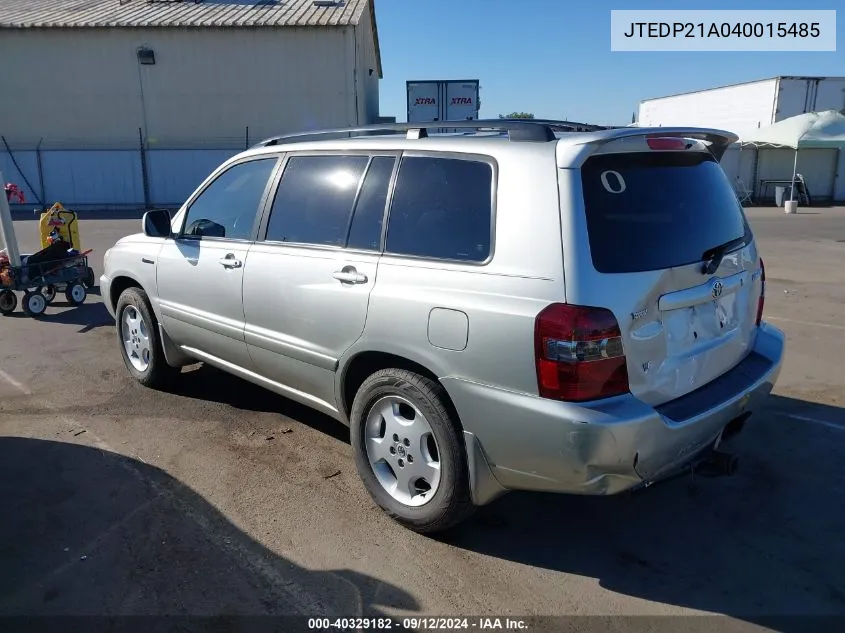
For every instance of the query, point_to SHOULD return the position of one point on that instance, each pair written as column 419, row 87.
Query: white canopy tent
column 812, row 130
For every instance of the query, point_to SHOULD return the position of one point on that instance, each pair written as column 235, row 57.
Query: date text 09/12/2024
column 417, row 624
column 724, row 29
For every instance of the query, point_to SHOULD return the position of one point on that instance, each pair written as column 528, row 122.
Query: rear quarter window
column 442, row 208
column 657, row 210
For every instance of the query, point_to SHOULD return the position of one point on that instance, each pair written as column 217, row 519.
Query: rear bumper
column 606, row 447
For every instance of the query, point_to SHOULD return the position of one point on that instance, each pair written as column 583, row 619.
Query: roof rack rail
column 563, row 126
column 521, row 130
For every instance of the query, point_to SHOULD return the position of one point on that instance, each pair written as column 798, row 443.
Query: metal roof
column 208, row 13
column 32, row 14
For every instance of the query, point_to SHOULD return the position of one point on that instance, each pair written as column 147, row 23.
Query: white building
column 743, row 107
column 90, row 83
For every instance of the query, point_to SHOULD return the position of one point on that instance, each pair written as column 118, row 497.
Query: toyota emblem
column 717, row 289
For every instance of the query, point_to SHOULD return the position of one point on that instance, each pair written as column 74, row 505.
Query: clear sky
column 552, row 57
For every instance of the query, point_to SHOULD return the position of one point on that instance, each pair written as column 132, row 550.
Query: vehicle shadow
column 88, row 316
column 207, row 383
column 765, row 542
column 90, row 532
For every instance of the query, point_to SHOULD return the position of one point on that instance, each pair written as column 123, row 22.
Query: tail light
column 667, row 143
column 578, row 352
column 762, row 300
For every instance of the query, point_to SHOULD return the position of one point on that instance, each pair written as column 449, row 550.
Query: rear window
column 657, row 210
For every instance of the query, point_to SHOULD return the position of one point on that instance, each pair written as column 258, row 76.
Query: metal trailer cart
column 40, row 276
column 41, row 281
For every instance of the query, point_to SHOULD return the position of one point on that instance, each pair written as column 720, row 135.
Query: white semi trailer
column 443, row 100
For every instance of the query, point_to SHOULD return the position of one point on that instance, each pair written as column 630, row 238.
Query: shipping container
column 740, row 108
column 443, row 100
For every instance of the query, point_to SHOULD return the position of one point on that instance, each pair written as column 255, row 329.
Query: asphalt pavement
column 221, row 498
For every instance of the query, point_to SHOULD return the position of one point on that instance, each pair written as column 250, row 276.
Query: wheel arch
column 118, row 285
column 355, row 370
column 173, row 355
column 484, row 488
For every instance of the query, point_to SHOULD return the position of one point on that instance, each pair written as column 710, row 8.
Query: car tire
column 404, row 396
column 8, row 302
column 140, row 344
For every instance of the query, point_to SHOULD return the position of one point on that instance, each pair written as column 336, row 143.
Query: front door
column 310, row 274
column 200, row 273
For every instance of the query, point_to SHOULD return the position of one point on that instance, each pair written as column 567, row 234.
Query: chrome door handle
column 350, row 276
column 230, row 262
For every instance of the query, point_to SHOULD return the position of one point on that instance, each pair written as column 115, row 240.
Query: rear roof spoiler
column 718, row 140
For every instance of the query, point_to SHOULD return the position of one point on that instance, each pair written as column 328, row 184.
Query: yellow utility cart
column 57, row 221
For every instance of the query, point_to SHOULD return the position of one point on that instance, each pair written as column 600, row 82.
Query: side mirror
column 156, row 223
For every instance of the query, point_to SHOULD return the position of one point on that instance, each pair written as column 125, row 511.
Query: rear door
column 653, row 215
column 423, row 102
column 307, row 286
column 461, row 101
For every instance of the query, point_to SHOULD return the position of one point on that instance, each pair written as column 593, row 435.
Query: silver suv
column 505, row 308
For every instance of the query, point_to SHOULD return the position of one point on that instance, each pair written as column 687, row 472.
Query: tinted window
column 228, row 206
column 365, row 231
column 651, row 211
column 442, row 208
column 314, row 201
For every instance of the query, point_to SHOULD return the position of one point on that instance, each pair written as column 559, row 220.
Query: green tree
column 517, row 115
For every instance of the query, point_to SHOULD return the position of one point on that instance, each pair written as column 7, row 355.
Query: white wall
column 738, row 163
column 737, row 108
column 175, row 174
column 818, row 166
column 74, row 178
column 81, row 87
column 110, row 178
column 368, row 84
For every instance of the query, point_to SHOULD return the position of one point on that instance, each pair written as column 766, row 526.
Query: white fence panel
column 93, row 177
column 175, row 173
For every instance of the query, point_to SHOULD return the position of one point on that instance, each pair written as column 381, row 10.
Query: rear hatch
column 673, row 258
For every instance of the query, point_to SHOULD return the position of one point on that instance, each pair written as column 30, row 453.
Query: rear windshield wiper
column 713, row 256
